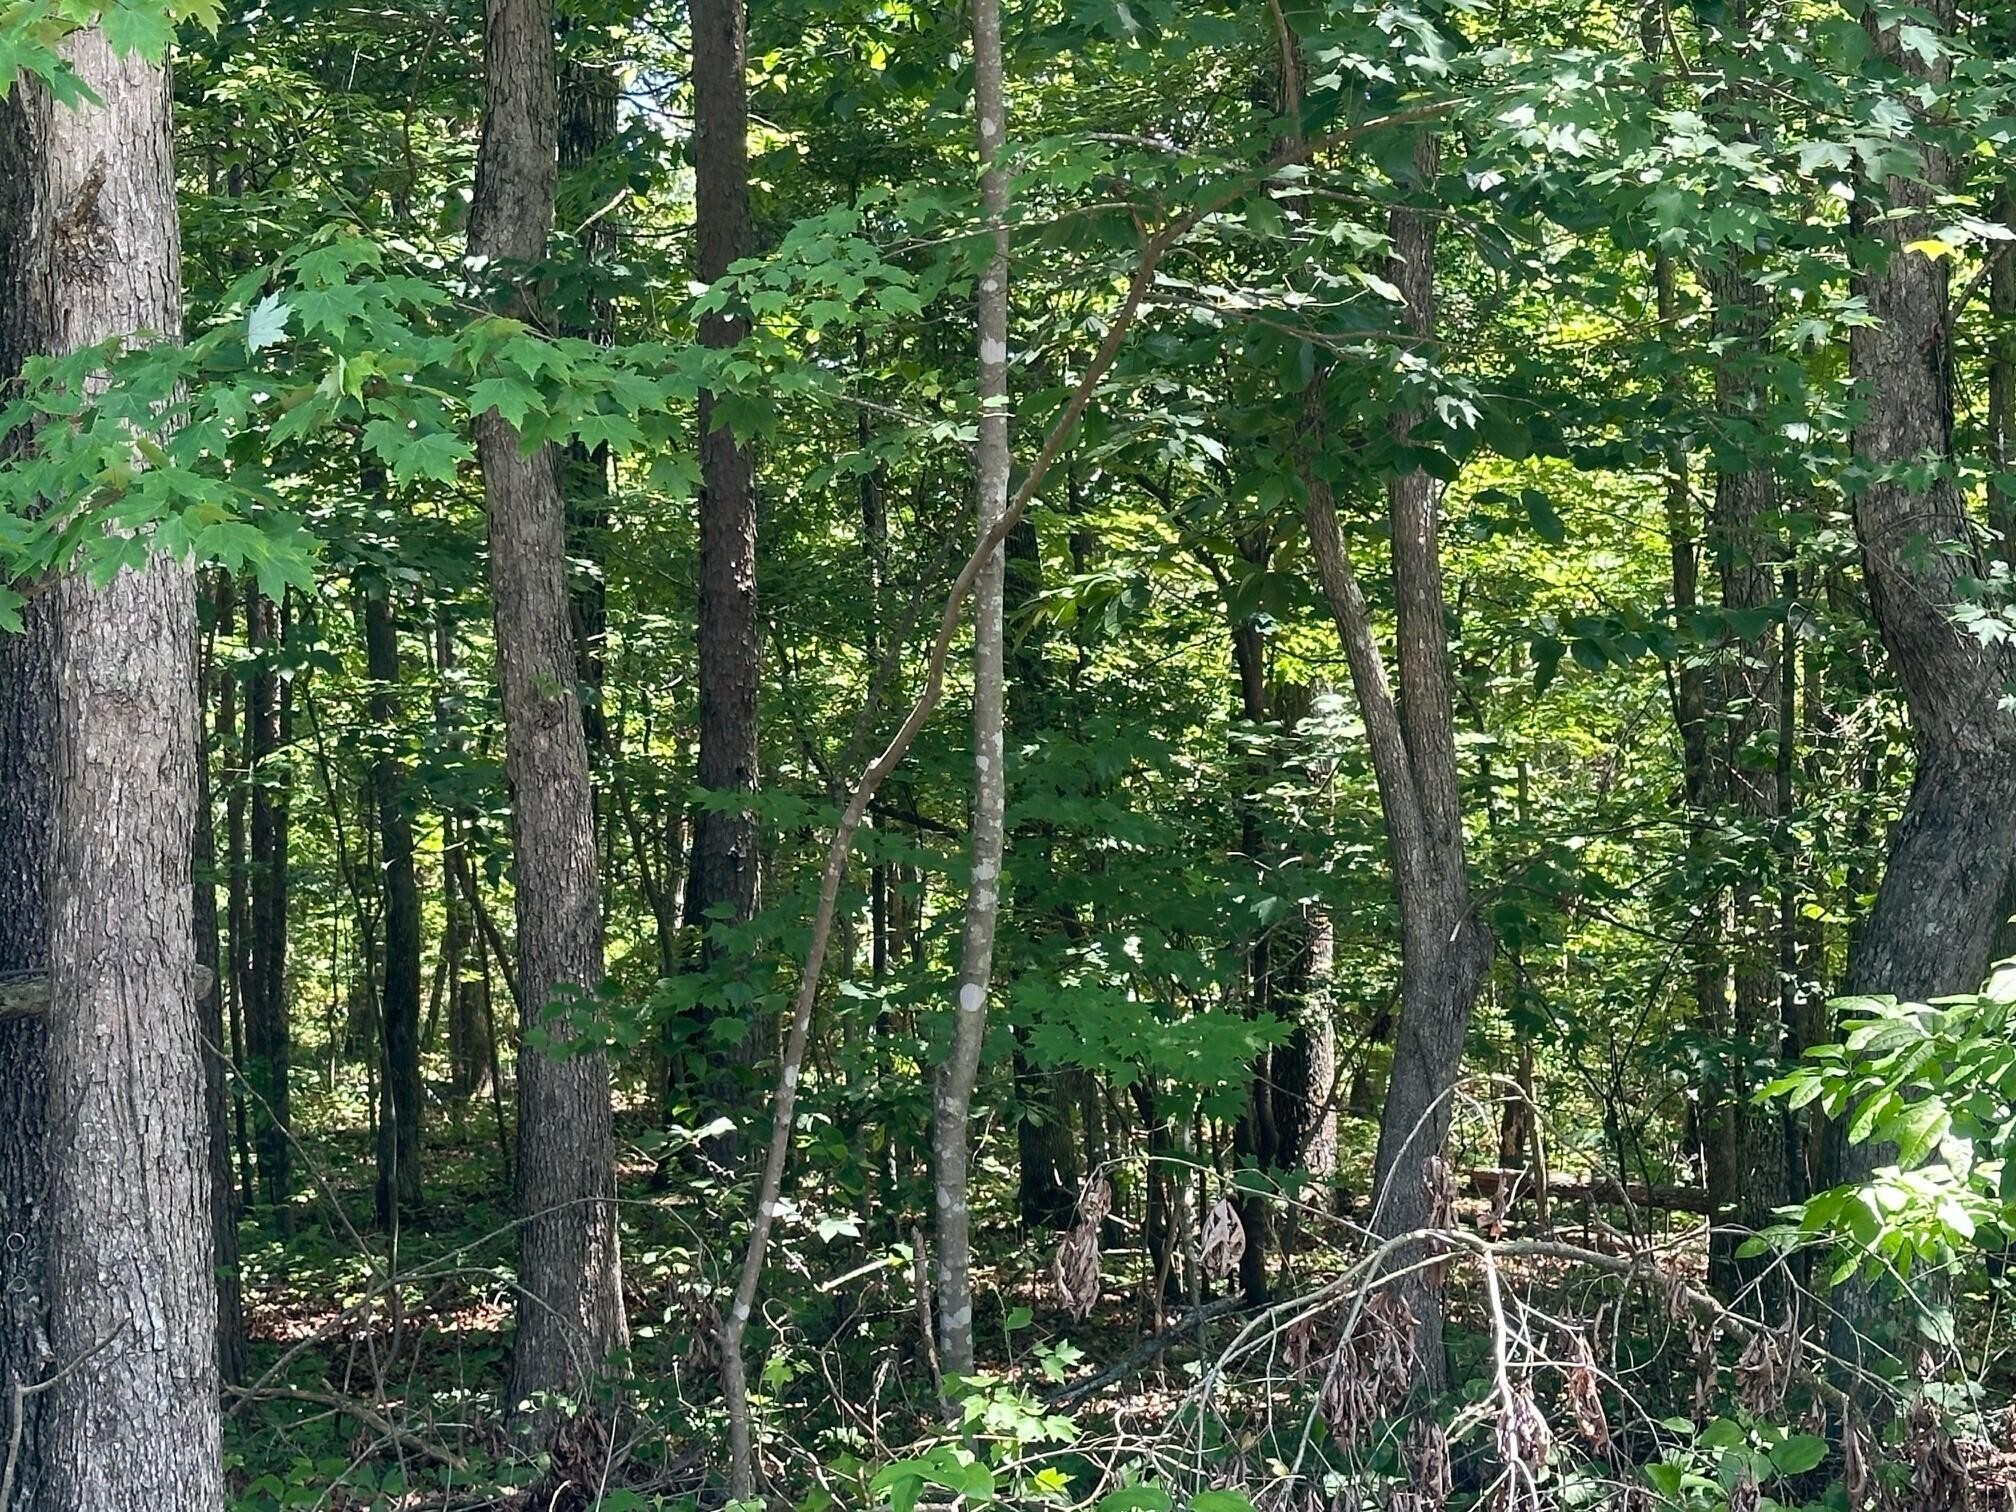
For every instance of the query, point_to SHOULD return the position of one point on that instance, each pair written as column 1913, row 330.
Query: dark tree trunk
column 28, row 760
column 237, row 969
column 570, row 1311
column 588, row 92
column 133, row 1423
column 400, row 1093
column 267, row 1033
column 724, row 873
column 27, row 756
column 216, row 1070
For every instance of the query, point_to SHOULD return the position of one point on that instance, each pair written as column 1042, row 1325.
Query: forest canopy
column 1098, row 754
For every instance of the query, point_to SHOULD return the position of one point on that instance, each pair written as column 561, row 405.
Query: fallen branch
column 25, row 994
column 350, row 1407
column 1487, row 1181
column 1144, row 1353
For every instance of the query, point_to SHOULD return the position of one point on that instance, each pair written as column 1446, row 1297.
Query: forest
column 1101, row 755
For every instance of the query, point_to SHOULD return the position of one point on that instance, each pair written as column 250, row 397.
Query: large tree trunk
column 953, row 1100
column 133, row 1422
column 1939, row 904
column 268, row 1040
column 724, row 872
column 400, row 1092
column 1444, row 947
column 570, row 1308
column 28, row 760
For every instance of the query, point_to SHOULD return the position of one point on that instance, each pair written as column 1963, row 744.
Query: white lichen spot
column 990, row 127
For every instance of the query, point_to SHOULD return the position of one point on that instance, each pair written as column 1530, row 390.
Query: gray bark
column 570, row 1308
column 1444, row 948
column 953, row 1100
column 132, row 1420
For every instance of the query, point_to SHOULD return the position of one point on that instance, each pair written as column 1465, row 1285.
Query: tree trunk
column 570, row 1307
column 1939, row 903
column 133, row 1423
column 588, row 91
column 1932, row 928
column 216, row 1067
column 28, row 758
column 267, row 1034
column 953, row 1102
column 1741, row 791
column 400, row 1093
column 1444, row 947
column 724, row 874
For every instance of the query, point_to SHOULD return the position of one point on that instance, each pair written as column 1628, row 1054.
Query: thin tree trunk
column 1445, row 948
column 267, row 1034
column 570, row 1307
column 1747, row 1176
column 952, row 1105
column 216, row 1067
column 399, row 1129
column 133, row 1422
column 237, row 975
column 725, row 871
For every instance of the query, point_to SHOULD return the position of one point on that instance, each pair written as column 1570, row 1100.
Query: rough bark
column 400, row 1092
column 1931, row 930
column 268, row 1037
column 1937, row 909
column 570, row 1306
column 725, row 873
column 953, row 1099
column 133, row 1421
column 1444, row 947
column 28, row 758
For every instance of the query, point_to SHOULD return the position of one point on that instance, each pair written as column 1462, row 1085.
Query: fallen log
column 25, row 994
column 1600, row 1190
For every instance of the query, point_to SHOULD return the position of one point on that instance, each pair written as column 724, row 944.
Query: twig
column 351, row 1407
column 1144, row 1353
column 18, row 1423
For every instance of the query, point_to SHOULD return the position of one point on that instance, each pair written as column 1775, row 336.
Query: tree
column 400, row 1091
column 132, row 1419
column 268, row 1031
column 725, row 873
column 952, row 1104
column 1444, row 947
column 570, row 1308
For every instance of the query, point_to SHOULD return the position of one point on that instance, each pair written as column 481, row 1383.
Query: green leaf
column 265, row 324
column 1798, row 1454
column 434, row 456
